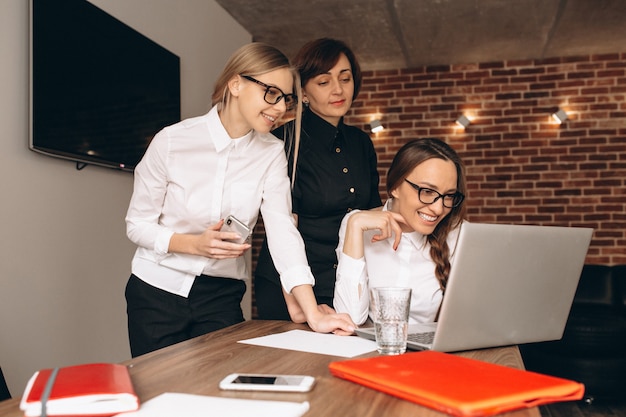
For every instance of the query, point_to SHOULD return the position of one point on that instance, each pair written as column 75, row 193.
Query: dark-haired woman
column 411, row 241
column 335, row 173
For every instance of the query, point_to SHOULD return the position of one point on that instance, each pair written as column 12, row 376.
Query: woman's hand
column 303, row 306
column 211, row 243
column 387, row 223
column 337, row 323
column 296, row 314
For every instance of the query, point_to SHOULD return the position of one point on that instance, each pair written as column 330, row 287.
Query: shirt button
column 345, row 170
column 352, row 190
column 337, row 149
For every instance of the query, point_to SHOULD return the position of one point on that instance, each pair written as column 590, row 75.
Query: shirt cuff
column 297, row 275
column 162, row 243
column 350, row 267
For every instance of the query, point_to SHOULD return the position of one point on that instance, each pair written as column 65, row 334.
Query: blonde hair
column 255, row 59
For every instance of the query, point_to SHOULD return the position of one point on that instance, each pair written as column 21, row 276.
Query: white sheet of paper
column 172, row 404
column 325, row 344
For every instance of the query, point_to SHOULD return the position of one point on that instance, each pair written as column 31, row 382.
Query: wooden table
column 196, row 366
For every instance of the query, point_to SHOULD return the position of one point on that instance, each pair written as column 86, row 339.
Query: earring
column 305, row 102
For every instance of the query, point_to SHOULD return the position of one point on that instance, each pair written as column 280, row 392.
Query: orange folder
column 456, row 385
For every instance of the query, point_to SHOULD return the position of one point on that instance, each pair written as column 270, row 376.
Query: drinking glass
column 390, row 312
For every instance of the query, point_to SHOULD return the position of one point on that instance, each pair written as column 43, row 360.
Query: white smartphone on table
column 232, row 224
column 266, row 382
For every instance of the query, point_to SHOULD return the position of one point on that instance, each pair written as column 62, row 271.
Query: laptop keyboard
column 422, row 338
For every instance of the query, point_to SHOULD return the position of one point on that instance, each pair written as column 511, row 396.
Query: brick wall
column 522, row 167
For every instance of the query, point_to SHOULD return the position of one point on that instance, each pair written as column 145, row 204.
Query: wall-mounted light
column 559, row 116
column 463, row 121
column 376, row 126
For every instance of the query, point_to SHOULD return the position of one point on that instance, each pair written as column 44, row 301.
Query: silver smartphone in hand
column 263, row 382
column 232, row 224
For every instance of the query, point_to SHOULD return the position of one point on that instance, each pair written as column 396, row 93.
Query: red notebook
column 456, row 385
column 98, row 389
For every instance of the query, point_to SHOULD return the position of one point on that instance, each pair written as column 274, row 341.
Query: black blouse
column 336, row 173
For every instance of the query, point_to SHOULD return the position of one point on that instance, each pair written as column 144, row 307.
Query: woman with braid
column 411, row 242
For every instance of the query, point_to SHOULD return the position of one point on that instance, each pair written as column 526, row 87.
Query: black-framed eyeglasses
column 274, row 94
column 429, row 196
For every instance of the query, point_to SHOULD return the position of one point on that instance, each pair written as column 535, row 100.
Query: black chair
column 4, row 390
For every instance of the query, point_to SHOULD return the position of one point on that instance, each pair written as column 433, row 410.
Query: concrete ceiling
column 391, row 34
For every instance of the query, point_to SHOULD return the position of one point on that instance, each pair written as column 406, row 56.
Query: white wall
column 64, row 255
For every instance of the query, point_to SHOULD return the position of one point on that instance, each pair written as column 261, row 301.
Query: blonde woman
column 188, row 276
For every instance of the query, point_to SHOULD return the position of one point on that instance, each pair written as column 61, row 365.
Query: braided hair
column 408, row 157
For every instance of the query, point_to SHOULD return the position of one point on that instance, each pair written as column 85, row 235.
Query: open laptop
column 508, row 284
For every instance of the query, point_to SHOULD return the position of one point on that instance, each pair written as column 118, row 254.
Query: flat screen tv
column 99, row 90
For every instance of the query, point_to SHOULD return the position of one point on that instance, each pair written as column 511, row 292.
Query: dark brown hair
column 320, row 56
column 408, row 157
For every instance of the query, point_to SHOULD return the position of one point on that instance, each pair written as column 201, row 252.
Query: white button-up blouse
column 192, row 175
column 381, row 266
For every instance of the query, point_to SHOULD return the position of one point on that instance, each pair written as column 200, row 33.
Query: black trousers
column 157, row 318
column 268, row 292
